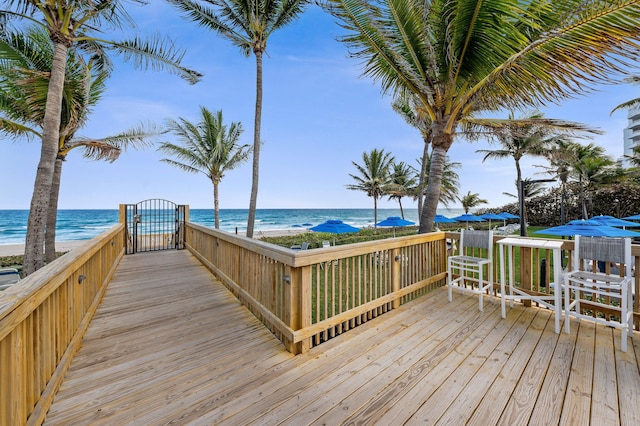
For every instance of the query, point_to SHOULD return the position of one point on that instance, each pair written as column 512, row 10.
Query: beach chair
column 470, row 266
column 8, row 277
column 584, row 289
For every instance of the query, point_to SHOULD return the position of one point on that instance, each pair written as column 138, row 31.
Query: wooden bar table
column 553, row 301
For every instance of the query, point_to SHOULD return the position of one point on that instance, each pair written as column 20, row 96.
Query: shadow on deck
column 169, row 344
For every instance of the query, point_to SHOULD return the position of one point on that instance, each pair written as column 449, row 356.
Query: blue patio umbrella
column 395, row 221
column 587, row 228
column 507, row 215
column 634, row 217
column 468, row 218
column 443, row 219
column 334, row 227
column 614, row 221
column 492, row 216
column 307, row 224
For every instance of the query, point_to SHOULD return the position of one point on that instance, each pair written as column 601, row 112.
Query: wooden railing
column 42, row 321
column 535, row 274
column 306, row 297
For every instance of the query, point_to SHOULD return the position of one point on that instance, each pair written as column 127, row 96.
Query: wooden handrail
column 42, row 320
column 308, row 296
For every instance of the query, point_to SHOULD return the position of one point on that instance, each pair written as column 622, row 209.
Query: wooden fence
column 306, row 297
column 42, row 321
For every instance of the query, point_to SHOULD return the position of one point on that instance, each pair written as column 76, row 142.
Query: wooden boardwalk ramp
column 170, row 345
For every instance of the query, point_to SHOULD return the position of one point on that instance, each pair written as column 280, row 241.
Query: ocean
column 86, row 224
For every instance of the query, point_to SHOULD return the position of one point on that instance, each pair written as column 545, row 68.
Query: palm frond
column 157, row 53
column 225, row 24
column 588, row 47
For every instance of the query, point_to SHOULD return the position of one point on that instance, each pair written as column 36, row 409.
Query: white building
column 631, row 133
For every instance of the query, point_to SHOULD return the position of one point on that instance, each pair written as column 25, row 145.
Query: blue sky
column 319, row 115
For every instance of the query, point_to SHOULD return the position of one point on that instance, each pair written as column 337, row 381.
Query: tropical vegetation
column 462, row 58
column 24, row 78
column 530, row 135
column 633, row 103
column 373, row 176
column 470, row 201
column 402, row 183
column 247, row 25
column 77, row 25
column 208, row 147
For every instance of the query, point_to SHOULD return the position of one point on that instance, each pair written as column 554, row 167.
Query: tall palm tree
column 23, row 95
column 527, row 136
column 561, row 157
column 470, row 201
column 208, row 147
column 530, row 189
column 590, row 163
column 465, row 57
column 77, row 24
column 408, row 106
column 450, row 181
column 402, row 183
column 373, row 176
column 247, row 24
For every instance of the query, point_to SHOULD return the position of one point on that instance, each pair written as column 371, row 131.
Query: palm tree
column 373, row 177
column 408, row 106
column 527, row 136
column 208, row 147
column 74, row 24
column 465, row 57
column 23, row 94
column 450, row 181
column 470, row 201
column 530, row 189
column 633, row 103
column 590, row 164
column 402, row 183
column 561, row 156
column 248, row 25
column 634, row 158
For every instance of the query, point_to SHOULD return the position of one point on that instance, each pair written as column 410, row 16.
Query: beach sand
column 64, row 246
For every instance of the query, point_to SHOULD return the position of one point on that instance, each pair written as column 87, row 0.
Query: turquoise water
column 86, row 224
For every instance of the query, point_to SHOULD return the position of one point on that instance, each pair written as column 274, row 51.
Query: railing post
column 396, row 261
column 636, row 286
column 298, row 304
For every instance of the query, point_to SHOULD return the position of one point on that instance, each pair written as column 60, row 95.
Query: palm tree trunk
column 422, row 178
column 400, row 204
column 375, row 212
column 216, row 204
column 583, row 204
column 432, row 196
column 521, row 198
column 52, row 214
column 256, row 147
column 34, row 242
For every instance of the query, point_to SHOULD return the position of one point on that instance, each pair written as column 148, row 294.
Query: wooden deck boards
column 170, row 345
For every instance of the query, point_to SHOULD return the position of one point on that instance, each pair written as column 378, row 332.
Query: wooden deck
column 169, row 345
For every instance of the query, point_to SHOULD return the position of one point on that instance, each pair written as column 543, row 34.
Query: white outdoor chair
column 470, row 266
column 597, row 289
